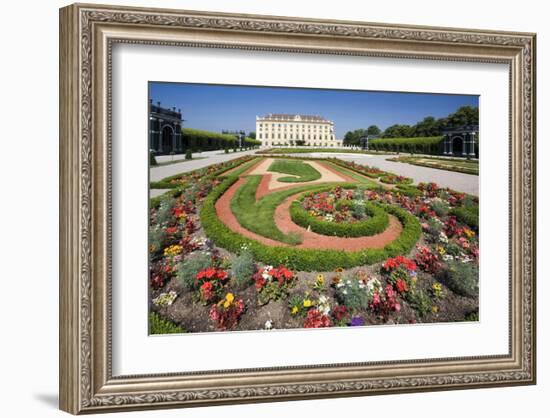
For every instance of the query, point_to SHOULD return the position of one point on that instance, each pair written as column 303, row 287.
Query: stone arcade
column 164, row 129
column 460, row 141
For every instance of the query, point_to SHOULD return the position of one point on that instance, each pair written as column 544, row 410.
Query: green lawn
column 449, row 164
column 299, row 171
column 257, row 216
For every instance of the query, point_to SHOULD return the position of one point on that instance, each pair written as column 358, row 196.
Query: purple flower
column 357, row 321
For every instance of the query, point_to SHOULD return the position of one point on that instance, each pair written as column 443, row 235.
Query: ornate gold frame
column 87, row 33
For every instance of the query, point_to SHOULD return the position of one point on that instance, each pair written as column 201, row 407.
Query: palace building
column 276, row 129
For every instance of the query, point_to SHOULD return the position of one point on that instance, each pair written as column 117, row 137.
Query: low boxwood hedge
column 377, row 223
column 409, row 190
column 299, row 258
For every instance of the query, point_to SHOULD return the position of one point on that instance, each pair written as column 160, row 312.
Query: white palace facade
column 276, row 129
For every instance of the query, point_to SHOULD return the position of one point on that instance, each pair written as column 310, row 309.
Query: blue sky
column 217, row 107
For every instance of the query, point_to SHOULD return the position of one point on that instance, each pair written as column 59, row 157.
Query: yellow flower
column 319, row 283
column 307, row 303
column 294, row 310
column 435, row 309
column 228, row 300
column 172, row 250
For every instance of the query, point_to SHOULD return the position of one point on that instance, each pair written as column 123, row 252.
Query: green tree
column 373, row 130
column 465, row 115
column 397, row 131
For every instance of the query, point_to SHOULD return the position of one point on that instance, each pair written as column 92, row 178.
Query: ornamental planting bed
column 275, row 243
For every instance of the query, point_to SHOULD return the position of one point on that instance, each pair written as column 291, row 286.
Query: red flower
column 316, row 319
column 427, row 260
column 212, row 273
column 401, row 286
column 339, row 312
column 393, row 263
column 157, row 281
column 171, row 230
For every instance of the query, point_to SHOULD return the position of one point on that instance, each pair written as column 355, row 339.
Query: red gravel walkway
column 310, row 239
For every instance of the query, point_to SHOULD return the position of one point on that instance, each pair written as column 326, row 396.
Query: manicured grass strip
column 159, row 325
column 303, row 171
column 468, row 215
column 258, row 216
column 356, row 175
column 377, row 223
column 305, row 259
column 448, row 164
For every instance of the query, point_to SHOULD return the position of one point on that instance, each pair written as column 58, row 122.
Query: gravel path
column 461, row 182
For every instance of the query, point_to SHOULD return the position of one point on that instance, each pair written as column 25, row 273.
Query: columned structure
column 165, row 129
column 276, row 129
column 460, row 141
column 364, row 141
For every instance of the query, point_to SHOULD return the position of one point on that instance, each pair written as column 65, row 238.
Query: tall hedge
column 420, row 145
column 198, row 140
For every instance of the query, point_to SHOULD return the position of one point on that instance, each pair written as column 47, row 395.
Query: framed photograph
column 260, row 208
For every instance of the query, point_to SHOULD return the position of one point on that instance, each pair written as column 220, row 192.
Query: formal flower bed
column 395, row 179
column 206, row 277
column 181, row 180
column 369, row 171
column 340, row 212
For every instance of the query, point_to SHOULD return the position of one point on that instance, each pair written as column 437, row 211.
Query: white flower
column 443, row 237
column 268, row 324
column 345, row 292
column 165, row 299
column 448, row 257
